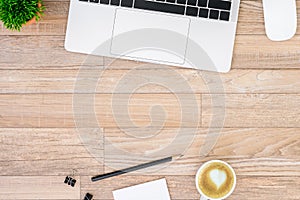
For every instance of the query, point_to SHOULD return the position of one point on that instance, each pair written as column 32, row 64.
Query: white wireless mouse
column 280, row 19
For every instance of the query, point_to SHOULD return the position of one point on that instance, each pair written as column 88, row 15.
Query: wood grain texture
column 251, row 52
column 61, row 151
column 241, row 110
column 56, row 110
column 237, row 81
column 32, row 52
column 251, row 110
column 38, row 187
column 251, row 151
column 47, row 152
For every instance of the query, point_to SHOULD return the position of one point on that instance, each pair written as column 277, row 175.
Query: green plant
column 15, row 13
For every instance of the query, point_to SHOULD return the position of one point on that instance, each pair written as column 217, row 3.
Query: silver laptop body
column 187, row 33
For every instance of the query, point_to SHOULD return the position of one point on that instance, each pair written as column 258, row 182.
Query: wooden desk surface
column 39, row 144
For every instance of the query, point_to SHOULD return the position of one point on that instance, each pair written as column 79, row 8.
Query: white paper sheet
column 154, row 190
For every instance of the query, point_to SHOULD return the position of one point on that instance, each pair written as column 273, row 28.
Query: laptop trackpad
column 150, row 36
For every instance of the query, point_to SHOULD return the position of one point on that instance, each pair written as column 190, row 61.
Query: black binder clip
column 70, row 181
column 88, row 196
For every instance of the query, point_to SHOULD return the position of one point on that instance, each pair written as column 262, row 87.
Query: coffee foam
column 216, row 180
column 218, row 177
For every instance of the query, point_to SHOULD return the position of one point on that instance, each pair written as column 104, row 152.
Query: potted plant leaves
column 16, row 13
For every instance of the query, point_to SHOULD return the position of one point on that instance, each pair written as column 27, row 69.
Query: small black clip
column 70, row 181
column 67, row 179
column 88, row 196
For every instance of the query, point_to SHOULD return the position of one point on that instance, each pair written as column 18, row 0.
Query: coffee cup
column 215, row 180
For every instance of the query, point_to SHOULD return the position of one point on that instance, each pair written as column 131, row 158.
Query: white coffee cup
column 203, row 196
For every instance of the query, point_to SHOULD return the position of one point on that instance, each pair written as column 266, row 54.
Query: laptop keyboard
column 211, row 9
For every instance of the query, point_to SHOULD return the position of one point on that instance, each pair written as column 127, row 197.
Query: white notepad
column 154, row 190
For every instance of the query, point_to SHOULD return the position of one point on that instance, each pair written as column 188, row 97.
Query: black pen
column 131, row 169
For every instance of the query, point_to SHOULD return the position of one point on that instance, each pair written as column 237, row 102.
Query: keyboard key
column 115, row 2
column 191, row 11
column 224, row 15
column 127, row 3
column 161, row 7
column 202, row 3
column 192, row 2
column 219, row 4
column 203, row 12
column 214, row 14
column 181, row 1
column 104, row 1
column 212, row 9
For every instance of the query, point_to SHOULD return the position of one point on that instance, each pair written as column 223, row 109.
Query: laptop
column 186, row 33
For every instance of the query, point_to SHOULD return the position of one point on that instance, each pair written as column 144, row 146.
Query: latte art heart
column 218, row 177
column 216, row 180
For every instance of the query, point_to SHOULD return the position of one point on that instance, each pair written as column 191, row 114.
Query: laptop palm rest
column 150, row 36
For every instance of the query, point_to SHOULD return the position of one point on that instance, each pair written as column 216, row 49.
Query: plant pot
column 33, row 20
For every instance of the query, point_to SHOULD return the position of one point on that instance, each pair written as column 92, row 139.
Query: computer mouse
column 280, row 19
